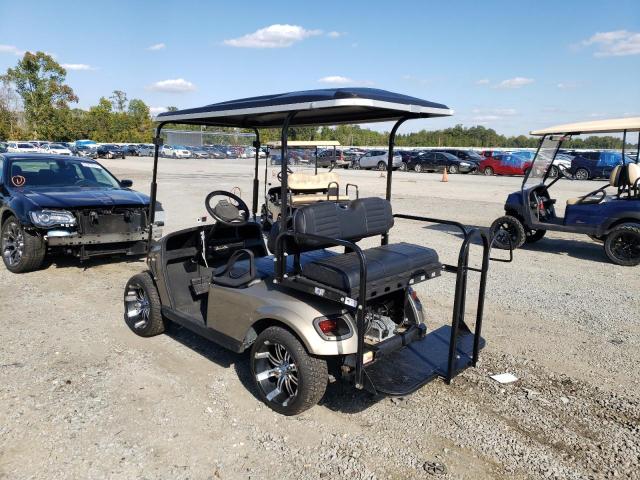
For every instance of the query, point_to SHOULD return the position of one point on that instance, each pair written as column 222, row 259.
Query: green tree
column 40, row 82
column 119, row 100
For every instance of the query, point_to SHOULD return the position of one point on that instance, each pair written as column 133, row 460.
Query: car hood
column 74, row 197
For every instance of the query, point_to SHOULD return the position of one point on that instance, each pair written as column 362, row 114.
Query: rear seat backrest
column 633, row 173
column 362, row 218
column 614, row 178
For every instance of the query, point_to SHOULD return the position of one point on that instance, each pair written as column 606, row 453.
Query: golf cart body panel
column 613, row 218
column 307, row 303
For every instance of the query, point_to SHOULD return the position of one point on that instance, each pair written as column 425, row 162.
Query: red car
column 504, row 165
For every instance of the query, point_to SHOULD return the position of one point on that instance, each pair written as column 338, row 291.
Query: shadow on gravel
column 204, row 347
column 63, row 261
column 583, row 250
column 456, row 231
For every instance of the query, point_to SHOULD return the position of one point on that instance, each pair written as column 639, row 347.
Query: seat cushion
column 311, row 198
column 399, row 261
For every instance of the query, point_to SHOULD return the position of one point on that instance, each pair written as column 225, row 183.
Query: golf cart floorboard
column 406, row 370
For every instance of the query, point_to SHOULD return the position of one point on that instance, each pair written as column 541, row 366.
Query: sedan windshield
column 41, row 173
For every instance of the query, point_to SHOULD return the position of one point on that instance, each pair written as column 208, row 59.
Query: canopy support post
column 157, row 142
column 316, row 172
column 256, row 182
column 392, row 142
column 284, row 182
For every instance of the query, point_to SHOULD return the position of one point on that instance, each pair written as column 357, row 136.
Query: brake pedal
column 200, row 285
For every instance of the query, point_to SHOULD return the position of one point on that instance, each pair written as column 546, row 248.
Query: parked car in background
column 87, row 151
column 175, row 151
column 505, row 164
column 588, row 165
column 406, row 156
column 432, row 161
column 72, row 205
column 55, row 149
column 145, row 150
column 469, row 156
column 129, row 150
column 198, row 152
column 3, row 147
column 110, row 151
column 377, row 159
column 214, row 152
column 329, row 157
column 492, row 153
column 22, row 147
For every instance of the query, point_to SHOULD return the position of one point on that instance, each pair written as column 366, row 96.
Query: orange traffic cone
column 445, row 175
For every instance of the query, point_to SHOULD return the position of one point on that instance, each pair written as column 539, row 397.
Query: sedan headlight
column 50, row 218
column 464, row 164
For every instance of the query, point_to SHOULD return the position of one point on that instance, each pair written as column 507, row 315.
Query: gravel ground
column 82, row 397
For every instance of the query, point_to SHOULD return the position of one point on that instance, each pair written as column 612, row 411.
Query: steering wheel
column 279, row 176
column 230, row 211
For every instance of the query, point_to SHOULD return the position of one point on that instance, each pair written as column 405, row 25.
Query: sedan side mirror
column 126, row 183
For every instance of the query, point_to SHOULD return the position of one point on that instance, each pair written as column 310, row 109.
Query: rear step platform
column 404, row 371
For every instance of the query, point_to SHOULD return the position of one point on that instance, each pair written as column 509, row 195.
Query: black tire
column 508, row 225
column 22, row 251
column 310, row 372
column 488, row 171
column 382, row 166
column 532, row 236
column 554, row 171
column 454, row 169
column 403, row 167
column 418, row 168
column 622, row 244
column 141, row 296
column 582, row 174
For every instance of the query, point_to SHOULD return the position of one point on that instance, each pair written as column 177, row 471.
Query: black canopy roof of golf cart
column 313, row 107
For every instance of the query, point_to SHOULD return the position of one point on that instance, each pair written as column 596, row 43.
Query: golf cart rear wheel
column 505, row 228
column 582, row 174
column 382, row 166
column 22, row 251
column 287, row 378
column 142, row 308
column 622, row 244
column 453, row 169
column 532, row 236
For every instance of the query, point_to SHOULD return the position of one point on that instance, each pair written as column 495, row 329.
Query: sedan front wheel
column 22, row 251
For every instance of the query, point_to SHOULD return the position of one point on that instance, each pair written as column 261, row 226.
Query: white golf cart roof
column 305, row 143
column 311, row 107
column 630, row 124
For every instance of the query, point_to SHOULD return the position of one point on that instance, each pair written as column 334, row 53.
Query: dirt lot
column 83, row 397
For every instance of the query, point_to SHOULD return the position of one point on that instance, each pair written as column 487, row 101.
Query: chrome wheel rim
column 276, row 373
column 582, row 175
column 12, row 244
column 137, row 306
column 488, row 171
column 418, row 168
column 453, row 169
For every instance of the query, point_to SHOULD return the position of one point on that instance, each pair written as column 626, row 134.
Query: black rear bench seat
column 389, row 267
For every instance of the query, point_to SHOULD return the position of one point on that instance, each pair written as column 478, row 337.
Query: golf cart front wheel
column 533, row 236
column 622, row 245
column 508, row 228
column 142, row 308
column 287, row 378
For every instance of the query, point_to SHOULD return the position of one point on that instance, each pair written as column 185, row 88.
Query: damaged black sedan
column 67, row 205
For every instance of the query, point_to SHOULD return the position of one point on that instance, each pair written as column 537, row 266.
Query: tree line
column 35, row 103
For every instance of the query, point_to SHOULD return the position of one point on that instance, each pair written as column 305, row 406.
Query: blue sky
column 513, row 66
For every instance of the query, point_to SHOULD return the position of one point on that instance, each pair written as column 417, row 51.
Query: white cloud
column 156, row 110
column 336, row 80
column 567, row 85
column 617, row 43
column 177, row 85
column 77, row 66
column 482, row 81
column 334, row 34
column 501, row 112
column 156, row 47
column 485, row 118
column 273, row 36
column 11, row 49
column 516, row 82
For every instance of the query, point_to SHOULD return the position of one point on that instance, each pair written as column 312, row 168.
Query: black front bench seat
column 389, row 267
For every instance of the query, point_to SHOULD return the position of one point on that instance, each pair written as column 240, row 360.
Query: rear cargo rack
column 442, row 353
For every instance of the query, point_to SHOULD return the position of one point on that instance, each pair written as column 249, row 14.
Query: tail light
column 332, row 327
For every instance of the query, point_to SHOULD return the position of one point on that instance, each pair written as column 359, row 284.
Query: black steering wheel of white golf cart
column 563, row 171
column 230, row 211
column 279, row 176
